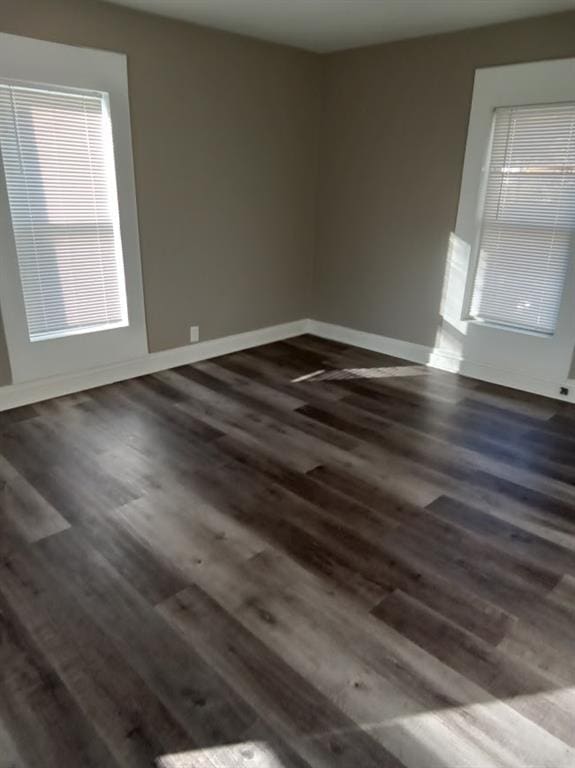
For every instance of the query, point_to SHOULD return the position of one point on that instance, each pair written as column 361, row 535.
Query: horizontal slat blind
column 528, row 220
column 56, row 150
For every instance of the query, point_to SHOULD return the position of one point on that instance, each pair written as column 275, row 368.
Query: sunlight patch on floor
column 491, row 733
column 249, row 754
column 362, row 373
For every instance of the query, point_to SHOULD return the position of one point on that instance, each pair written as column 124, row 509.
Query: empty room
column 287, row 384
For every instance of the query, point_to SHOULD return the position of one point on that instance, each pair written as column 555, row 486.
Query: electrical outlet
column 194, row 333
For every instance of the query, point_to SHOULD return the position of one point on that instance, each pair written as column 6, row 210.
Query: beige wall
column 392, row 145
column 225, row 152
column 226, row 136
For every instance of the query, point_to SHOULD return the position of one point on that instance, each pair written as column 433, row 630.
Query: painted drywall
column 226, row 133
column 392, row 145
column 225, row 153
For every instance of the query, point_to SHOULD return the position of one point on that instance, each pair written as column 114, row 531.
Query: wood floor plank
column 542, row 515
column 308, row 721
column 291, row 380
column 307, row 634
column 233, row 510
column 459, row 463
column 11, row 757
column 245, row 425
column 16, row 415
column 70, row 481
column 26, row 509
column 303, row 555
column 46, row 725
column 247, row 384
column 124, row 711
column 201, row 388
column 528, row 691
column 505, row 536
column 366, row 521
column 494, row 439
column 201, row 703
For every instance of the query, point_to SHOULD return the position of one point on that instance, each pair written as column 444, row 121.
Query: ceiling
column 330, row 25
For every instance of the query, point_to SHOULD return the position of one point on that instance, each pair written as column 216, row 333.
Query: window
column 58, row 162
column 528, row 218
column 71, row 288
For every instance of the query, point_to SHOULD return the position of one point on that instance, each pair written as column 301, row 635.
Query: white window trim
column 36, row 61
column 545, row 82
column 508, row 86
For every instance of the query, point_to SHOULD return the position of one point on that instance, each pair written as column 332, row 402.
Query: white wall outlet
column 194, row 333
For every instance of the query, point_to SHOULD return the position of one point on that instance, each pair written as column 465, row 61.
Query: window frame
column 475, row 252
column 521, row 358
column 29, row 61
column 514, row 85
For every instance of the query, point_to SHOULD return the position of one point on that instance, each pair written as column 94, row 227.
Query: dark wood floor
column 301, row 555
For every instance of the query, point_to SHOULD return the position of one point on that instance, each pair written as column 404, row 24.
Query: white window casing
column 71, row 290
column 508, row 303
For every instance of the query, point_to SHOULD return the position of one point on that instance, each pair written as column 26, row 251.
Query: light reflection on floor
column 485, row 734
column 249, row 754
column 362, row 373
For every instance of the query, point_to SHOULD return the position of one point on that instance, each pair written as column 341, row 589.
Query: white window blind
column 528, row 218
column 58, row 161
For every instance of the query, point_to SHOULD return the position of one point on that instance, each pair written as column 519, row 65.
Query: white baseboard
column 416, row 353
column 436, row 358
column 14, row 395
